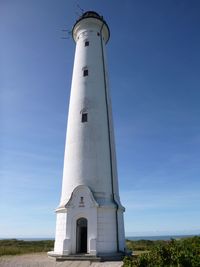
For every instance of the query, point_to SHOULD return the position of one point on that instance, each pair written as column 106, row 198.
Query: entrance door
column 81, row 235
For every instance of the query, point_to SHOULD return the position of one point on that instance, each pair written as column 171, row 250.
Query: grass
column 15, row 246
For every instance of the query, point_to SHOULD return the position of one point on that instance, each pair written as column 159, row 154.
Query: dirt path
column 41, row 260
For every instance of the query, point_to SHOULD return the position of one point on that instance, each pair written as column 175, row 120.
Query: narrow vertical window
column 85, row 72
column 84, row 117
column 86, row 43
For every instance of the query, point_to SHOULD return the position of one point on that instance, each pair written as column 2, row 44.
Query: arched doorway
column 81, row 235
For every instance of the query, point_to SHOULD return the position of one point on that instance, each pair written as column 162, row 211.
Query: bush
column 181, row 253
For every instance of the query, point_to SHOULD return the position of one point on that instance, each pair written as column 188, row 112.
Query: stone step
column 107, row 264
column 87, row 257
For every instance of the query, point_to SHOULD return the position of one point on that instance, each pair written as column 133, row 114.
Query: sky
column 154, row 65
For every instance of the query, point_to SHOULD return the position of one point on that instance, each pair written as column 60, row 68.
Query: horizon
column 153, row 62
column 126, row 236
column 162, row 234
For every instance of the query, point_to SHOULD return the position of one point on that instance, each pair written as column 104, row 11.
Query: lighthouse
column 90, row 214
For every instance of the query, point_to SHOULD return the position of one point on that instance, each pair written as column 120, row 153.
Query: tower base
column 87, row 257
column 87, row 227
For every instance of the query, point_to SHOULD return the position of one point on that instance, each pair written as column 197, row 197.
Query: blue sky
column 154, row 66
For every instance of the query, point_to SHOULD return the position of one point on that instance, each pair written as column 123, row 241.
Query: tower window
column 98, row 33
column 84, row 117
column 86, row 43
column 85, row 72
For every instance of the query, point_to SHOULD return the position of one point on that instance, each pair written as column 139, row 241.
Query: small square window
column 85, row 72
column 86, row 43
column 84, row 117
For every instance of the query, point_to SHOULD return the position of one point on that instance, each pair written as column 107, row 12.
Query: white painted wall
column 66, row 235
column 87, row 158
column 61, row 223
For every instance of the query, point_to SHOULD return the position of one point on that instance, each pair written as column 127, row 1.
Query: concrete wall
column 87, row 155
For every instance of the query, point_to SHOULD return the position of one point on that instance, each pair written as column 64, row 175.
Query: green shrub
column 181, row 253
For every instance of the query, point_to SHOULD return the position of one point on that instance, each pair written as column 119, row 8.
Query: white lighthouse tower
column 90, row 215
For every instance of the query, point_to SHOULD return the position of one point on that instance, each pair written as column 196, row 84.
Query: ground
column 41, row 260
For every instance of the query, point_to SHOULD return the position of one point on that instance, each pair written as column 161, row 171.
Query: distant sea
column 161, row 237
column 36, row 238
